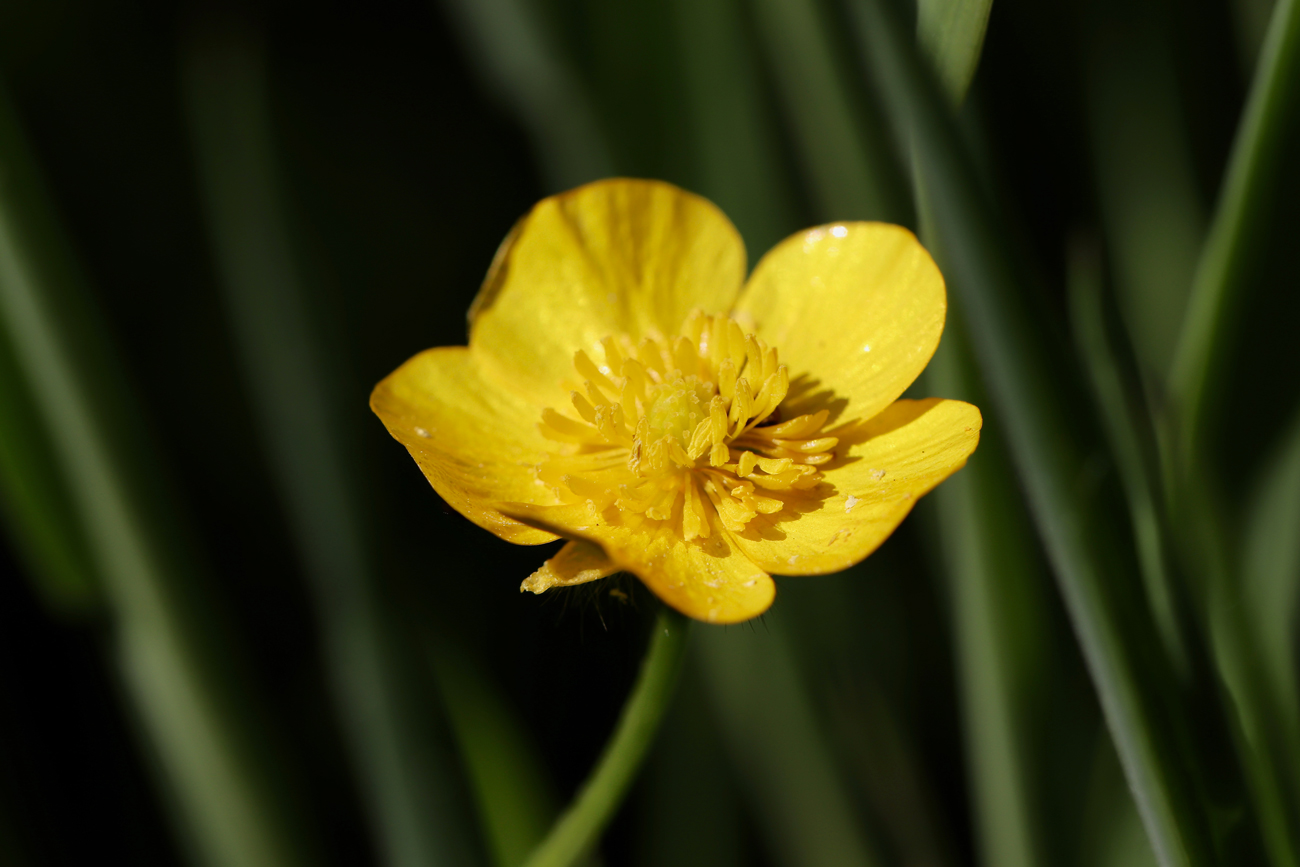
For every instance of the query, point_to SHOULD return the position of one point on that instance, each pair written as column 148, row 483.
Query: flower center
column 676, row 407
column 684, row 430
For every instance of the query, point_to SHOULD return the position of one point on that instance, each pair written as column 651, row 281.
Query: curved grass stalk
column 1212, row 313
column 579, row 828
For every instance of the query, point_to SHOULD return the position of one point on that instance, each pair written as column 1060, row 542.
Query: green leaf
column 179, row 667
column 409, row 780
column 951, row 33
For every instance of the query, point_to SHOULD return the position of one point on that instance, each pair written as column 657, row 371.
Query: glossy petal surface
column 855, row 308
column 476, row 441
column 886, row 465
column 708, row 579
column 617, row 256
column 576, row 563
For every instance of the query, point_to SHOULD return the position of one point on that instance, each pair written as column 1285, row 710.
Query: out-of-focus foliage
column 240, row 629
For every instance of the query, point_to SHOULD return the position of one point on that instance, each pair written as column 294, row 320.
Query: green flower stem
column 578, row 829
column 1196, row 378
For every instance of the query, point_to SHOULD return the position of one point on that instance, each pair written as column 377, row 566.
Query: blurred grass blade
column 986, row 543
column 519, row 59
column 1250, row 18
column 692, row 816
column 1267, row 740
column 1271, row 581
column 578, row 830
column 952, row 34
column 1235, row 641
column 34, row 499
column 1130, row 672
column 735, row 142
column 1146, row 181
column 999, row 625
column 1135, row 454
column 179, row 667
column 1111, row 832
column 779, row 750
column 515, row 800
column 1252, row 616
column 1196, row 381
column 846, row 155
column 410, row 783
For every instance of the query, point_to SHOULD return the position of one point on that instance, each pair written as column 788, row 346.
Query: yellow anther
column 583, row 407
column 718, row 419
column 613, row 356
column 668, row 427
column 693, row 329
column 735, row 343
column 588, row 370
column 727, row 379
column 753, row 358
column 701, row 439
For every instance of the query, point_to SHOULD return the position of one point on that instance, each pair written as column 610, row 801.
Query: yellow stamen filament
column 672, row 430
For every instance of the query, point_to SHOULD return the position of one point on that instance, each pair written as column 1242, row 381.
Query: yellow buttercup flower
column 626, row 389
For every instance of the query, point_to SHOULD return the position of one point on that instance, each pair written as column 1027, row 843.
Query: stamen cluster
column 684, row 429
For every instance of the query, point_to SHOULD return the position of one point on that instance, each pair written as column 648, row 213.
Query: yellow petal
column 883, row 467
column 856, row 308
column 576, row 563
column 708, row 579
column 476, row 442
column 616, row 256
